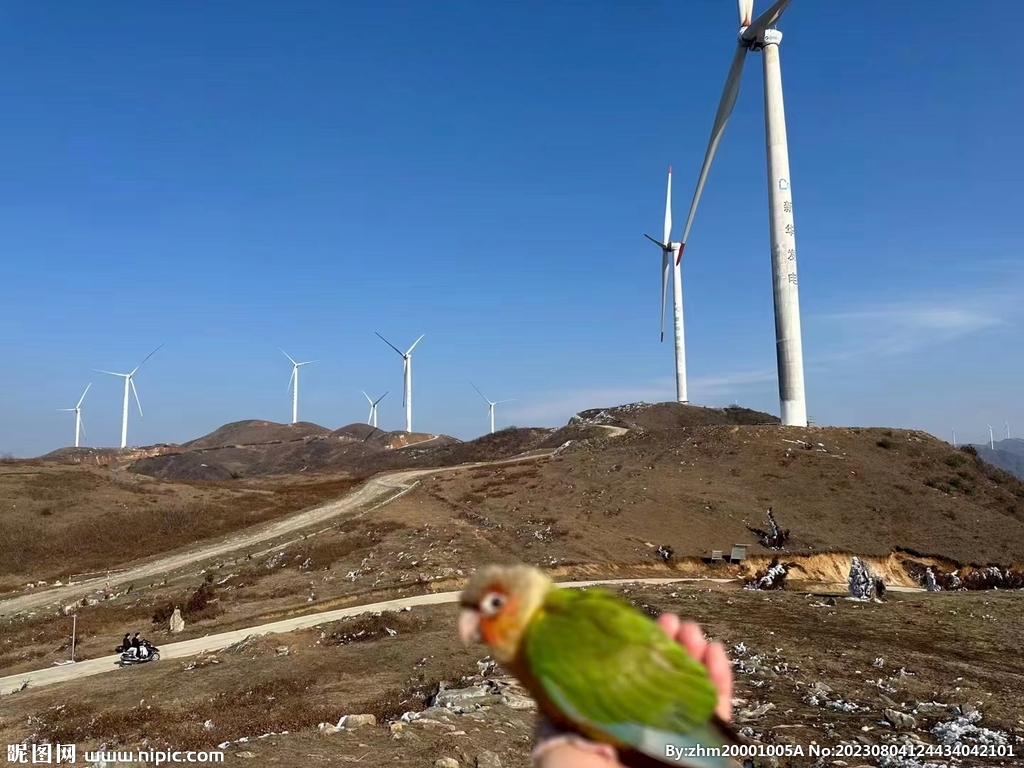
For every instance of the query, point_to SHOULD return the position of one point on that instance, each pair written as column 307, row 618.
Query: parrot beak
column 469, row 626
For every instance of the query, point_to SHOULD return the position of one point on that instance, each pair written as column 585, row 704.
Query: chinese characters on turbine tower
column 789, row 248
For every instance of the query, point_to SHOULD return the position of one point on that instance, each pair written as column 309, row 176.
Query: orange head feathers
column 498, row 603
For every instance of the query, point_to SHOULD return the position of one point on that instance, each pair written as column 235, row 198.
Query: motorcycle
column 148, row 652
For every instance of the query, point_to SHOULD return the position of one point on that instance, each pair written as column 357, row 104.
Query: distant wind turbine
column 954, row 438
column 668, row 251
column 490, row 404
column 295, row 377
column 760, row 35
column 991, row 439
column 129, row 381
column 373, row 408
column 79, row 426
column 407, row 372
column 1007, row 430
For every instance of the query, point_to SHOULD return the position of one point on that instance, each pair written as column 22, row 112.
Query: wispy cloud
column 898, row 329
column 854, row 334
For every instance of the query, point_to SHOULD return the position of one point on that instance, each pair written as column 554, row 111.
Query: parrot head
column 498, row 603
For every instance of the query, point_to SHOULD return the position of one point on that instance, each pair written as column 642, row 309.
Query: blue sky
column 230, row 178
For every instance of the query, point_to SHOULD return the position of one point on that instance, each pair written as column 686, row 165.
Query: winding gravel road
column 51, row 675
column 378, row 486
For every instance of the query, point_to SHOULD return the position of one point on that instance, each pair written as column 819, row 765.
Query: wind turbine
column 79, row 426
column 1007, row 430
column 490, row 404
column 760, row 35
column 668, row 249
column 129, row 381
column 991, row 439
column 295, row 376
column 407, row 372
column 373, row 408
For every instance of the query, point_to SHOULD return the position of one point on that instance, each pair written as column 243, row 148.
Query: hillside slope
column 867, row 491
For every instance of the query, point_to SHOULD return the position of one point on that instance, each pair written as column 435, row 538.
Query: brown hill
column 668, row 416
column 695, row 489
column 256, row 432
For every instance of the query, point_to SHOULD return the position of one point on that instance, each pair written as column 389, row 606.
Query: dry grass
column 58, row 521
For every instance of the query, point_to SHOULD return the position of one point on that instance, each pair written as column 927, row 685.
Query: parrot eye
column 492, row 603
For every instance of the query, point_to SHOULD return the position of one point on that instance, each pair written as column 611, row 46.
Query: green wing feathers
column 616, row 671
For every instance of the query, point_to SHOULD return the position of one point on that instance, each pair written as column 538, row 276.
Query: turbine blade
column 725, row 107
column 294, row 369
column 144, row 360
column 660, row 245
column 83, row 395
column 81, row 423
column 308, row 362
column 287, row 355
column 746, row 9
column 65, row 409
column 368, row 398
column 478, row 391
column 510, row 400
column 665, row 263
column 390, row 344
column 382, row 397
column 110, row 372
column 668, row 208
column 136, row 393
column 766, row 20
column 415, row 343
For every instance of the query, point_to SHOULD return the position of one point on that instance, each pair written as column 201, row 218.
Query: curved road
column 51, row 675
column 394, row 483
column 397, row 482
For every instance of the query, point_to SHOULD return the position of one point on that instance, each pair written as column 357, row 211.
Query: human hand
column 558, row 749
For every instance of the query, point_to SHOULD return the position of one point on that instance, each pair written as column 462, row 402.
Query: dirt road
column 383, row 487
column 52, row 675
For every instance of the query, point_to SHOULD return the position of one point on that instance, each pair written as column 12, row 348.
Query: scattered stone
column 245, row 754
column 282, row 650
column 900, row 720
column 488, row 760
column 350, row 722
column 446, row 762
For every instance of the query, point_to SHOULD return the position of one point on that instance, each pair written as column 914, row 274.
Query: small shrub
column 884, row 443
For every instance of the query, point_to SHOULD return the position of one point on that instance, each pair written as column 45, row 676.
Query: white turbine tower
column 295, row 377
column 373, row 408
column 761, row 35
column 1007, row 430
column 490, row 404
column 991, row 438
column 129, row 382
column 668, row 250
column 79, row 426
column 407, row 392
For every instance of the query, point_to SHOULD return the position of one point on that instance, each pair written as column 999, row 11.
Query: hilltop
column 696, row 487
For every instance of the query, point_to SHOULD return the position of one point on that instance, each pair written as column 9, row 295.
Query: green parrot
column 597, row 667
